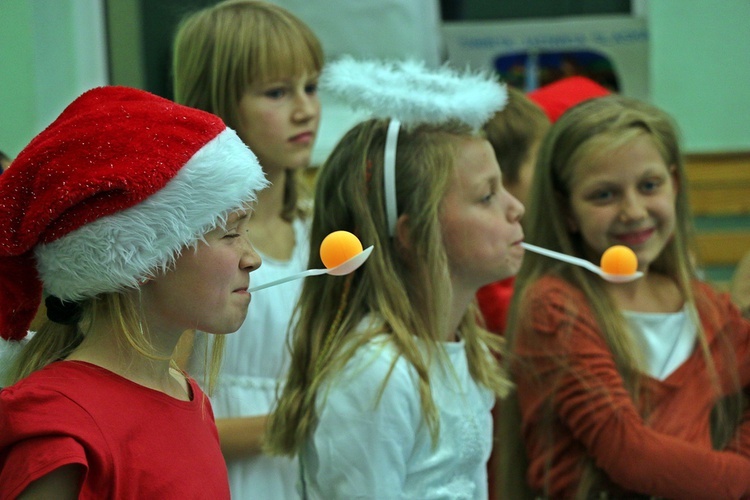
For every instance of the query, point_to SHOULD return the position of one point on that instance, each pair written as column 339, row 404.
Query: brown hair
column 221, row 50
column 514, row 130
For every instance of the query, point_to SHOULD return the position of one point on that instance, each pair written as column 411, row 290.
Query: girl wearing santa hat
column 129, row 215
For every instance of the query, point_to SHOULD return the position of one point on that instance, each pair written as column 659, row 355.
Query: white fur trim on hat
column 119, row 250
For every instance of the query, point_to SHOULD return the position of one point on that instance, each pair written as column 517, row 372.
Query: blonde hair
column 55, row 341
column 596, row 127
column 407, row 287
column 219, row 51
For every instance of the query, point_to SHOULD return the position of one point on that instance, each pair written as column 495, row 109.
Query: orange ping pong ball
column 619, row 259
column 338, row 247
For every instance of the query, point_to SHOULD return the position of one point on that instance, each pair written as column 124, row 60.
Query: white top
column 366, row 449
column 667, row 340
column 255, row 360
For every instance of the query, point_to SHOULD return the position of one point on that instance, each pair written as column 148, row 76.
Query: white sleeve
column 361, row 449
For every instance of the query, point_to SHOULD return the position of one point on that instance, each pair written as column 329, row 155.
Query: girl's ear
column 403, row 232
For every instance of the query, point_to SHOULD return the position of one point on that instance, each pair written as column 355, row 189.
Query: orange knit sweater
column 563, row 360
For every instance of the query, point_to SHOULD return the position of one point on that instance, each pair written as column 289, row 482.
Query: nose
column 306, row 106
column 514, row 208
column 632, row 208
column 250, row 260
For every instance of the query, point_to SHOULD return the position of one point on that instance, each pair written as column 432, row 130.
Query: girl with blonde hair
column 623, row 389
column 392, row 379
column 256, row 65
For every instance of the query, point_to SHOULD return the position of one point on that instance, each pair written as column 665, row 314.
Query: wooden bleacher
column 719, row 190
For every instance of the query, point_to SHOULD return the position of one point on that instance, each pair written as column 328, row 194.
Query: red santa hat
column 109, row 194
column 557, row 97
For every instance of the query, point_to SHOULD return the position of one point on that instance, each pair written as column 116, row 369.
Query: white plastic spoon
column 342, row 269
column 613, row 278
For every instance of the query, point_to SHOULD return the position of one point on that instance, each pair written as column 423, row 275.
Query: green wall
column 50, row 51
column 17, row 88
column 700, row 70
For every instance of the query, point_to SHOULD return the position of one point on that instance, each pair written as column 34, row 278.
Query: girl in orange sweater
column 630, row 388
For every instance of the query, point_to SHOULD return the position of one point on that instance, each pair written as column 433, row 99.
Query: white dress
column 255, row 360
column 382, row 450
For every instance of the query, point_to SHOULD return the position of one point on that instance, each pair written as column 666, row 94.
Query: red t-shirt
column 134, row 442
column 494, row 302
column 565, row 364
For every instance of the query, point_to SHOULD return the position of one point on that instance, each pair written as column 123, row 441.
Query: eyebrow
column 492, row 181
column 289, row 80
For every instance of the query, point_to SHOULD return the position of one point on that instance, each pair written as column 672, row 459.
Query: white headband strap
column 389, row 175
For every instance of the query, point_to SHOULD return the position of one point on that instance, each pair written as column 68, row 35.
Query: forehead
column 636, row 156
column 475, row 162
column 235, row 215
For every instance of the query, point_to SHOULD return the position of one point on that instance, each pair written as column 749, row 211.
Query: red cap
column 559, row 96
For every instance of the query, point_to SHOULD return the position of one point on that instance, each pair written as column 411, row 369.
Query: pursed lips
column 302, row 137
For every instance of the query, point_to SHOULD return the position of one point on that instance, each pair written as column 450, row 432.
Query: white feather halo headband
column 408, row 92
column 413, row 94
